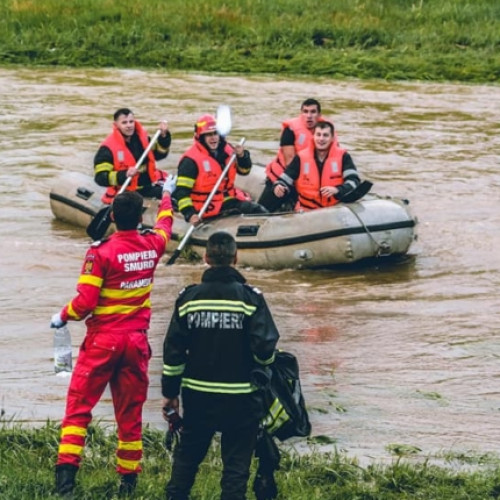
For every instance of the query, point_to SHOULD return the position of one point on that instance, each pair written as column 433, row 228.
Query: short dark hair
column 127, row 210
column 325, row 124
column 120, row 112
column 221, row 249
column 311, row 102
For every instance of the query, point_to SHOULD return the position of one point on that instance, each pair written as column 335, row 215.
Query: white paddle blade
column 223, row 119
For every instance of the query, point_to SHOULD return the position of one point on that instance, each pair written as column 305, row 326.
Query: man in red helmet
column 201, row 166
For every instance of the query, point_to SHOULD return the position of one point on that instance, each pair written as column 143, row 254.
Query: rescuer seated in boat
column 322, row 173
column 118, row 154
column 296, row 135
column 201, row 167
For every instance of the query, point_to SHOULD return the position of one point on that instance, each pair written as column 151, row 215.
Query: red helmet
column 203, row 125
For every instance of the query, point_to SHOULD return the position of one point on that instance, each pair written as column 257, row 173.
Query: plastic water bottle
column 62, row 350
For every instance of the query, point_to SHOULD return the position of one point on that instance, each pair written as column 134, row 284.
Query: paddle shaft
column 203, row 209
column 102, row 220
column 128, row 180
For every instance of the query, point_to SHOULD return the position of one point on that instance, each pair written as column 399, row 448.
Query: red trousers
column 120, row 359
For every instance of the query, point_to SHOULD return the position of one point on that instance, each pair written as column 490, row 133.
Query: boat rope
column 383, row 248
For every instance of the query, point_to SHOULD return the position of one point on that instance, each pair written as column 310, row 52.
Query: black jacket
column 220, row 330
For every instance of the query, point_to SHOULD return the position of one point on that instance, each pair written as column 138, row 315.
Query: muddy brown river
column 401, row 353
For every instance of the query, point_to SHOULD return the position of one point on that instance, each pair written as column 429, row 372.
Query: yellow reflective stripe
column 276, row 417
column 173, row 371
column 74, row 431
column 218, row 387
column 113, row 178
column 243, row 170
column 113, row 293
column 72, row 449
column 120, row 308
column 158, row 147
column 187, row 182
column 71, row 312
column 89, row 279
column 130, row 445
column 185, row 202
column 163, row 234
column 103, row 167
column 128, row 464
column 217, row 305
column 264, row 362
column 164, row 213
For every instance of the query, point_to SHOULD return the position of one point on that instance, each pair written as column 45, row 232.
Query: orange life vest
column 303, row 138
column 308, row 183
column 123, row 159
column 209, row 171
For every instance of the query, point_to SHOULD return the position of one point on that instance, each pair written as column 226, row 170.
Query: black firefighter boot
column 128, row 483
column 65, row 479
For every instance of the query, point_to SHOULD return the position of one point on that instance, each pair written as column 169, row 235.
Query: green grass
column 27, row 458
column 392, row 39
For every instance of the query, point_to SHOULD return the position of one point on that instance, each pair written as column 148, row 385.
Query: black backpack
column 286, row 409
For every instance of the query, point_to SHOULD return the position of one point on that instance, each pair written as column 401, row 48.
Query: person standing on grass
column 114, row 291
column 220, row 331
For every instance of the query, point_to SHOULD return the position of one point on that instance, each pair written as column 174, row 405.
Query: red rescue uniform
column 114, row 291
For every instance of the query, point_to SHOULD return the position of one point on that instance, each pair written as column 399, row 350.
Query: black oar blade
column 173, row 257
column 100, row 224
column 357, row 192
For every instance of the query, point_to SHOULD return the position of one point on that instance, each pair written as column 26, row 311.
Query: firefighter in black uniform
column 220, row 331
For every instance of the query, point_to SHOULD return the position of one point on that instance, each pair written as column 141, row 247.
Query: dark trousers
column 238, row 439
column 234, row 205
column 237, row 447
column 274, row 204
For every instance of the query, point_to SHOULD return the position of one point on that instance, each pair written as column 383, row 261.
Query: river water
column 405, row 353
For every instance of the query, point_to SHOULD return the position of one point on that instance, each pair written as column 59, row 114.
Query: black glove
column 174, row 428
column 261, row 376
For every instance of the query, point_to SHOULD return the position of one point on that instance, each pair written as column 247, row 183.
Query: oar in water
column 223, row 126
column 102, row 220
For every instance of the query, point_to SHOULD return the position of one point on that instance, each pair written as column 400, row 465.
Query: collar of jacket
column 224, row 274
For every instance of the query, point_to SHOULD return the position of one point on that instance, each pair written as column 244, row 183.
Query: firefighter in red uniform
column 296, row 135
column 118, row 154
column 201, row 166
column 322, row 174
column 114, row 291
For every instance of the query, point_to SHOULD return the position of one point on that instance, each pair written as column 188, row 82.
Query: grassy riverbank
column 391, row 39
column 27, row 460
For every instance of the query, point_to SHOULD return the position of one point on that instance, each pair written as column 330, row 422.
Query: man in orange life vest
column 296, row 135
column 322, row 174
column 201, row 166
column 114, row 291
column 118, row 154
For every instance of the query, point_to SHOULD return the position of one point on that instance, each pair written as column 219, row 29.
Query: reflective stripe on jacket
column 209, row 171
column 116, row 279
column 303, row 137
column 123, row 158
column 220, row 331
column 309, row 182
